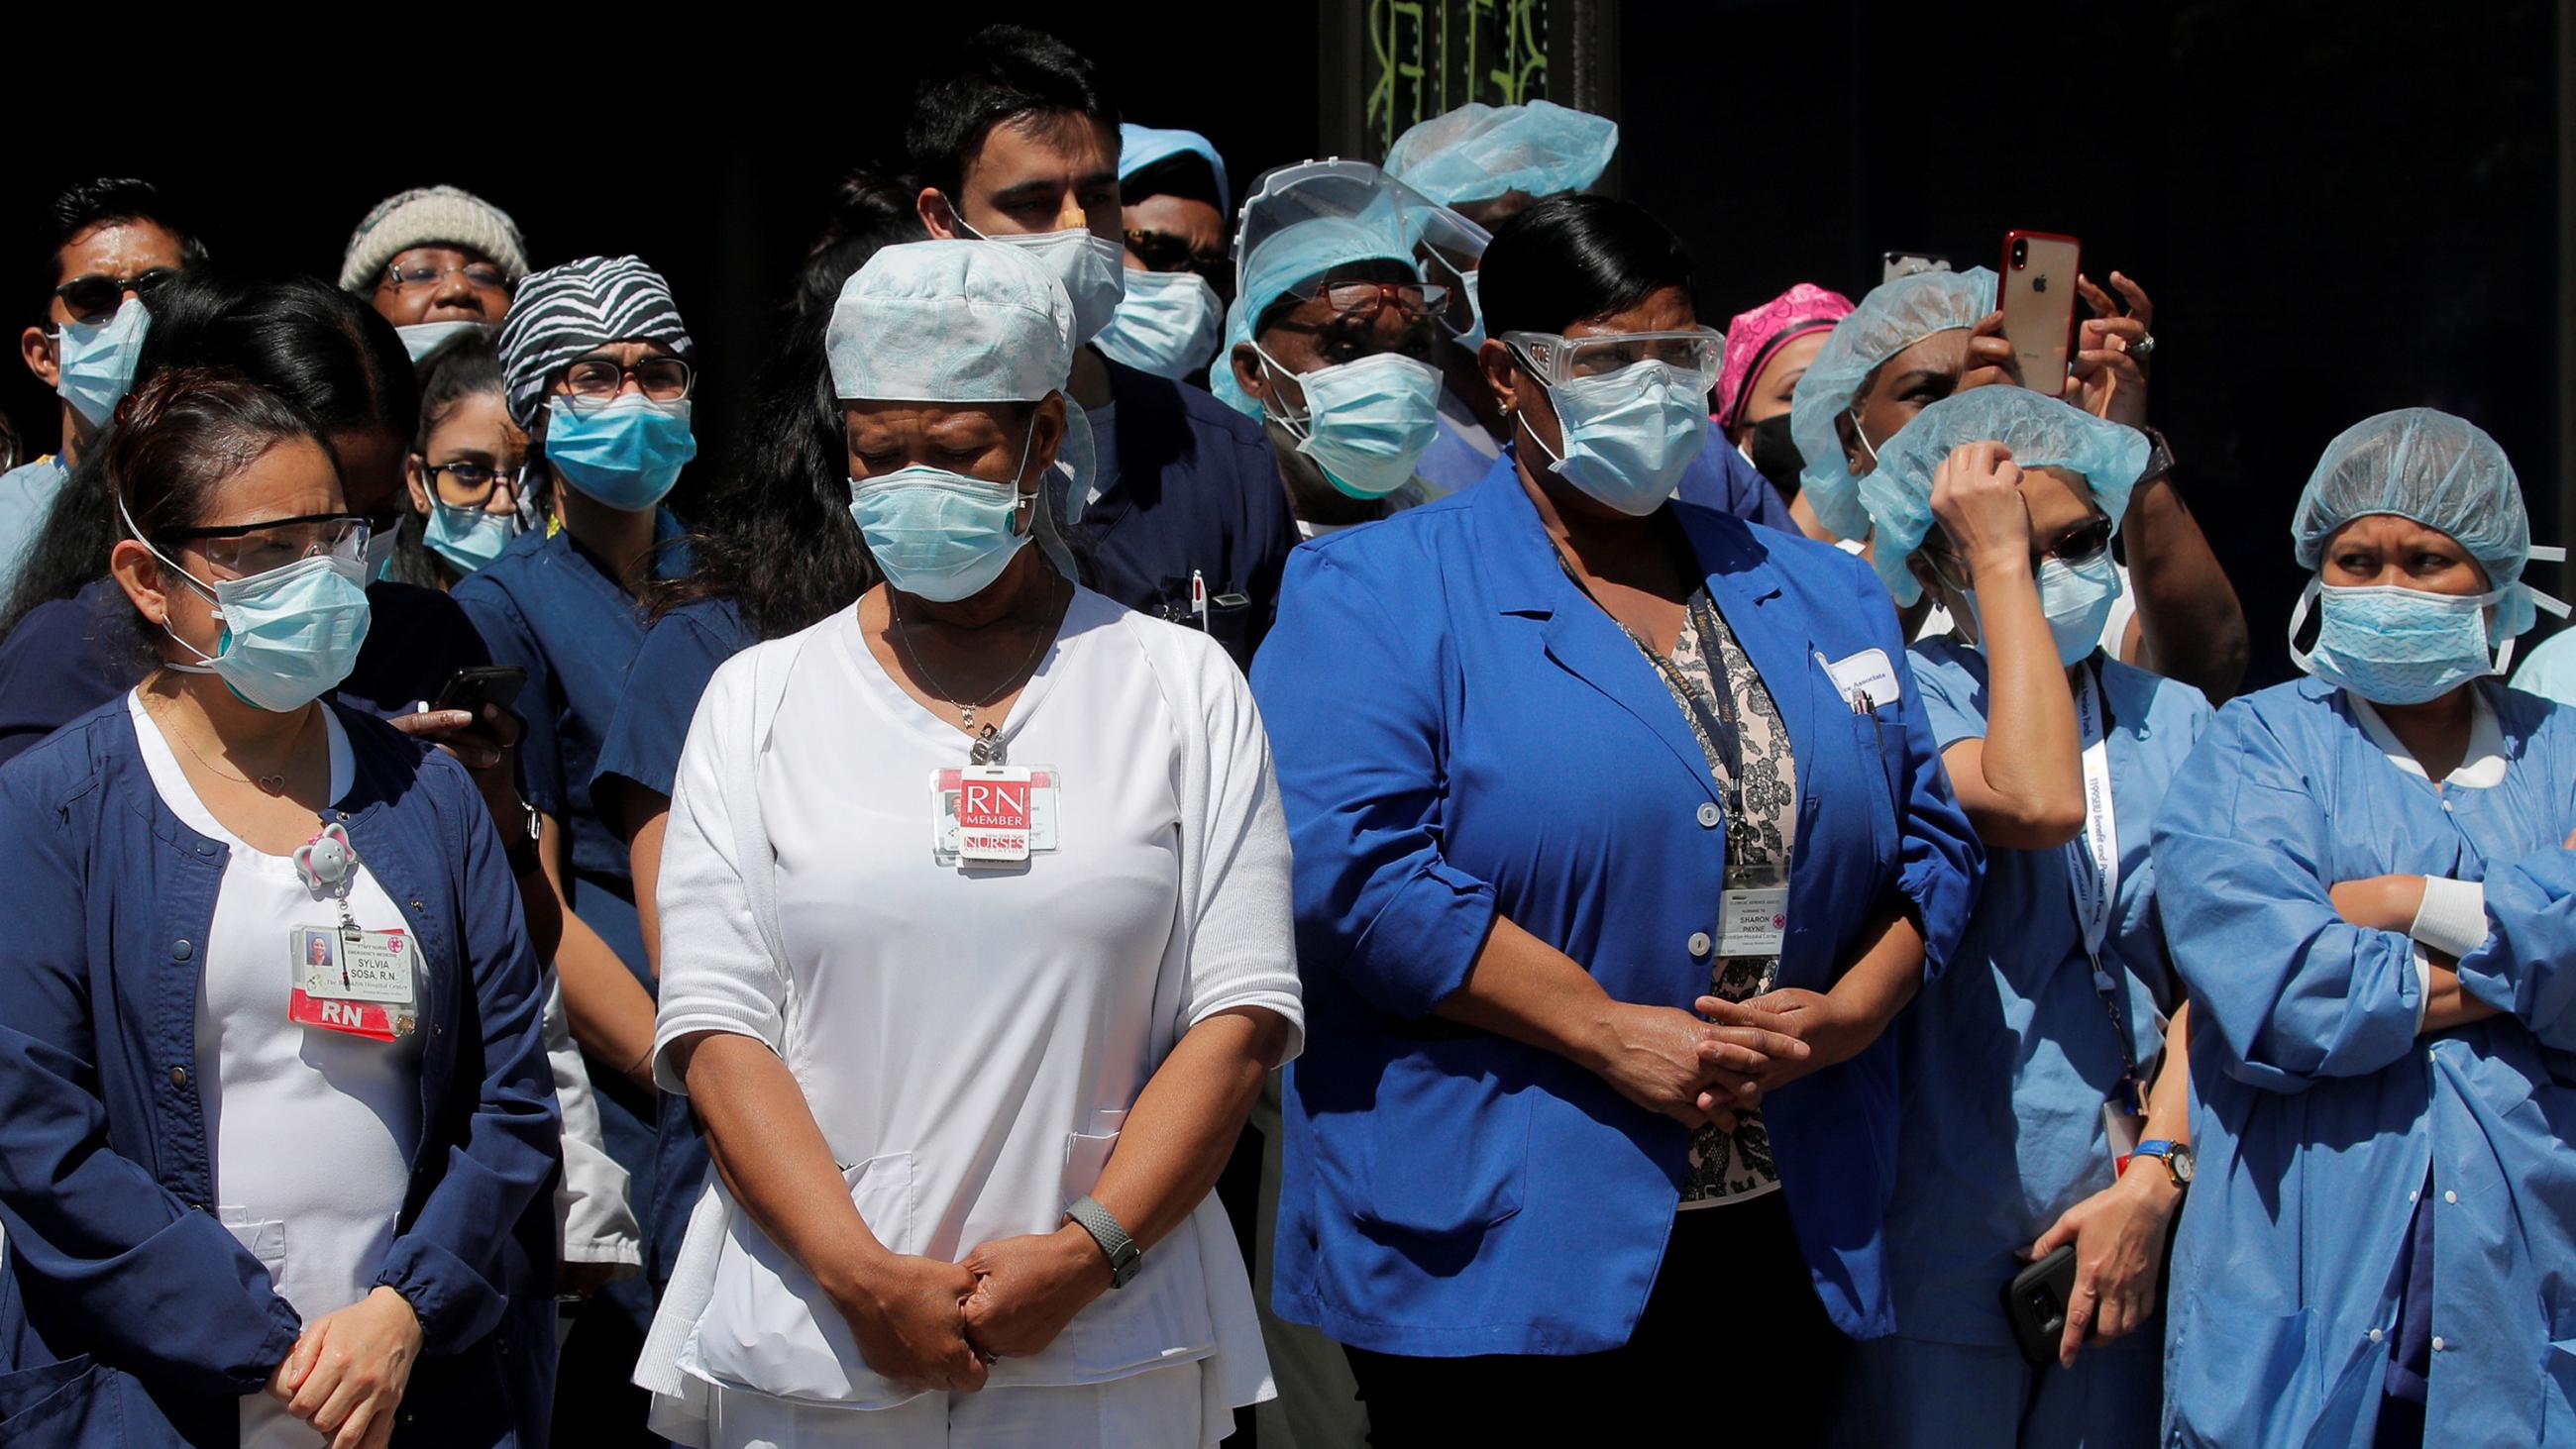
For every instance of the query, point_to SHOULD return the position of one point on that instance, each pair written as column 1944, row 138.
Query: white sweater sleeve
column 1243, row 949
column 717, row 970
column 597, row 1223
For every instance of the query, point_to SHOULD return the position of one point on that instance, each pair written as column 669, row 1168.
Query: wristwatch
column 1124, row 1256
column 2160, row 458
column 521, row 847
column 2175, row 1155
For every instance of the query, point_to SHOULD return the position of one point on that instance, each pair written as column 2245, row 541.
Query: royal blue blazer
column 1461, row 733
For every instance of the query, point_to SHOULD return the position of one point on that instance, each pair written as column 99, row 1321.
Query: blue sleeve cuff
column 456, row 1307
column 1421, row 947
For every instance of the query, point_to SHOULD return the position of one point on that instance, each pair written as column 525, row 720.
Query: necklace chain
column 273, row 784
column 965, row 712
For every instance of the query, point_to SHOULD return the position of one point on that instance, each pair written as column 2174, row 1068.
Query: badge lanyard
column 1723, row 727
column 2093, row 879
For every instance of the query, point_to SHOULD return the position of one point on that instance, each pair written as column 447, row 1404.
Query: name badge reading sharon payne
column 355, row 982
column 991, row 814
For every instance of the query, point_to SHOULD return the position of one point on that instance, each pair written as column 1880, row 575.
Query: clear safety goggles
column 238, row 551
column 1556, row 360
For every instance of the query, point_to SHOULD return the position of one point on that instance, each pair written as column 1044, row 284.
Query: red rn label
column 993, row 805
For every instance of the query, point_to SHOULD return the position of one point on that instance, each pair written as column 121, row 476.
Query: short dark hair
column 869, row 209
column 1573, row 259
column 1185, row 174
column 1007, row 71
column 94, row 204
column 180, row 435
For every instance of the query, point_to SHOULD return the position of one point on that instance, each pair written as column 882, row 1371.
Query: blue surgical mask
column 1367, row 422
column 1473, row 337
column 940, row 535
column 2396, row 645
column 2077, row 599
column 423, row 338
column 1168, row 324
column 1629, row 434
column 626, row 454
column 1092, row 269
column 97, row 360
column 468, row 538
column 287, row 636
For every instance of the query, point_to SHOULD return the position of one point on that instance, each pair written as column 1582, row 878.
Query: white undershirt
column 313, row 1130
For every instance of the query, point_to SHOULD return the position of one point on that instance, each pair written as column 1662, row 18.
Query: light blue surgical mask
column 1367, row 422
column 1092, row 269
column 626, row 454
column 286, row 637
column 1473, row 337
column 941, row 535
column 1629, row 434
column 1168, row 324
column 2077, row 599
column 423, row 338
column 97, row 360
column 468, row 538
column 2396, row 645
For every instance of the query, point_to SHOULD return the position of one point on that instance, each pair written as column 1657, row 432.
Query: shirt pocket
column 2241, row 1373
column 76, row 1401
column 1448, row 1141
column 1086, row 1153
column 264, row 1240
column 769, row 1326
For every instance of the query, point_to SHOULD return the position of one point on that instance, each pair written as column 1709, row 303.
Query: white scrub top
column 969, row 1040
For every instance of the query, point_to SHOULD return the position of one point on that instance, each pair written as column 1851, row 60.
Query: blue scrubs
column 1461, row 734
column 2550, row 670
column 670, row 675
column 1196, row 491
column 2008, row 1059
column 72, row 655
column 553, row 608
column 2320, row 1113
column 27, row 494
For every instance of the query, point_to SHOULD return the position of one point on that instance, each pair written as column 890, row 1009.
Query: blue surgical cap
column 2440, row 471
column 2040, row 431
column 1478, row 152
column 1892, row 318
column 1142, row 146
column 1301, row 222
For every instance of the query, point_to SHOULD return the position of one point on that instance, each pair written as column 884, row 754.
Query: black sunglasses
column 95, row 298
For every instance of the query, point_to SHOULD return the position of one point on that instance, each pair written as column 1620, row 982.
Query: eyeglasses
column 95, row 298
column 482, row 276
column 1417, row 299
column 596, row 381
column 243, row 549
column 466, row 485
column 1554, row 359
column 2075, row 548
column 1162, row 251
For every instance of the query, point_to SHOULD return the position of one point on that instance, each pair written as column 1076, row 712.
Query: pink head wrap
column 1754, row 337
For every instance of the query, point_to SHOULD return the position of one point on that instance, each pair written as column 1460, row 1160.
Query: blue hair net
column 2444, row 473
column 1301, row 222
column 2041, row 432
column 1892, row 318
column 1478, row 152
column 1142, row 146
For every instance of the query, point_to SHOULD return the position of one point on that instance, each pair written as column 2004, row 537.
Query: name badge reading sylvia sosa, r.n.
column 991, row 814
column 358, row 983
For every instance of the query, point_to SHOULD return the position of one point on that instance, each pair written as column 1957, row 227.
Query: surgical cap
column 1755, row 337
column 1303, row 221
column 563, row 313
column 1142, row 146
column 2041, row 432
column 1479, row 152
column 2440, row 471
column 1893, row 317
column 950, row 321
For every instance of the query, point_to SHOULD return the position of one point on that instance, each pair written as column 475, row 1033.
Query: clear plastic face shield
column 1364, row 199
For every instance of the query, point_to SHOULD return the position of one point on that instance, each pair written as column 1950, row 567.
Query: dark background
column 2338, row 207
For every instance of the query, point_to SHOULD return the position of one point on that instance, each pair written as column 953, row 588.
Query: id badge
column 358, row 983
column 2122, row 1130
column 1752, row 922
column 991, row 814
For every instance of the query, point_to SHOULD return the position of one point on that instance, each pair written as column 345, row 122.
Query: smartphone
column 1892, row 265
column 2035, row 1305
column 477, row 685
column 2037, row 297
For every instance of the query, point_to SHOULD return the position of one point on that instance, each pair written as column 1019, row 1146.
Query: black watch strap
column 2160, row 458
column 1124, row 1256
column 522, row 843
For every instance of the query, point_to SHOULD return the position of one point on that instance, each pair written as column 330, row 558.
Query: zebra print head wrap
column 565, row 312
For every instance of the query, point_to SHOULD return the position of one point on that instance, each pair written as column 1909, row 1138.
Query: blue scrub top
column 27, row 494
column 2318, row 1108
column 1196, row 489
column 1460, row 733
column 670, row 675
column 2550, row 670
column 69, row 656
column 1452, row 461
column 2009, row 1057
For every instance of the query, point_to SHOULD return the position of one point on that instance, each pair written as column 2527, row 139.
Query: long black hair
column 300, row 338
column 780, row 544
column 468, row 365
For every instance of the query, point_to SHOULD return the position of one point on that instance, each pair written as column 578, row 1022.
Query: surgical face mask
column 1093, row 270
column 380, row 555
column 1861, row 434
column 626, row 454
column 1168, row 324
column 1474, row 336
column 97, row 360
column 940, row 535
column 2077, row 599
column 2396, row 645
column 423, row 338
column 468, row 538
column 1629, row 434
column 286, row 637
column 1367, row 422
column 1773, row 451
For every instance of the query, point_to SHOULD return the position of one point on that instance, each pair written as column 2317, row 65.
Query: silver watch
column 1124, row 1256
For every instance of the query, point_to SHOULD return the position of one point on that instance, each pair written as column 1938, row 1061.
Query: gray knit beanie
column 430, row 216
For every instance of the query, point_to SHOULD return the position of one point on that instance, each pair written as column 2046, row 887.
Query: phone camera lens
column 2020, row 254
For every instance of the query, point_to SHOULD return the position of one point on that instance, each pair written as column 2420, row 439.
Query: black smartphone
column 2035, row 1305
column 477, row 685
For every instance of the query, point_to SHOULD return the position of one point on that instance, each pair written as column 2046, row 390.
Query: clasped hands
column 1710, row 1067
column 931, row 1325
